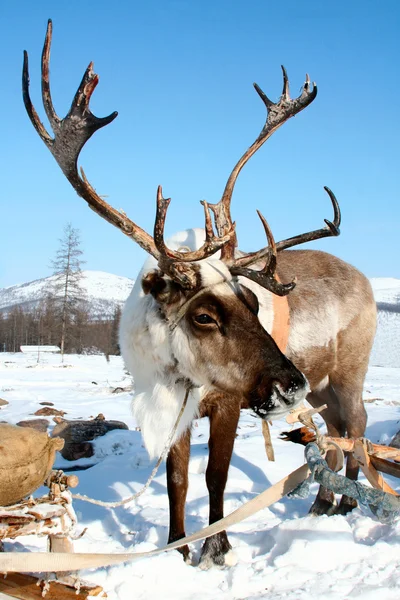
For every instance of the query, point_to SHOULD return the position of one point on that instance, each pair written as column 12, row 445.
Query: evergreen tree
column 115, row 349
column 66, row 292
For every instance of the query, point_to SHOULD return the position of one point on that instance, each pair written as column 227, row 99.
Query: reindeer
column 201, row 319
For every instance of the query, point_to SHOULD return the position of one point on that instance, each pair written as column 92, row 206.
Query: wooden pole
column 269, row 449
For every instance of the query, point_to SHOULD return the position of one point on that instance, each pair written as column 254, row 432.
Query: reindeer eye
column 203, row 319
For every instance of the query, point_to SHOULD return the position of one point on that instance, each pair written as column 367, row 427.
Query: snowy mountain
column 103, row 290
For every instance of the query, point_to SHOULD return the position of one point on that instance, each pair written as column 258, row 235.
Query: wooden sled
column 373, row 459
column 51, row 516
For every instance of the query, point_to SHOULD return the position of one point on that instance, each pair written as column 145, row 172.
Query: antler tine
column 277, row 114
column 211, row 245
column 331, row 229
column 267, row 276
column 46, row 93
column 285, row 89
column 30, row 109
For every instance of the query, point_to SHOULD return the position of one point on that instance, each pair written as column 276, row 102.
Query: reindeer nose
column 291, row 392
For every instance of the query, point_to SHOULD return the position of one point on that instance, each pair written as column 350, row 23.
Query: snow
column 280, row 552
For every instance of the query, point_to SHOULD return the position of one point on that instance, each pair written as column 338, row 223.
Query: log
column 25, row 587
column 79, row 434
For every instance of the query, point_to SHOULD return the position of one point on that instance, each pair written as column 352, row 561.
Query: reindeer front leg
column 224, row 417
column 177, row 485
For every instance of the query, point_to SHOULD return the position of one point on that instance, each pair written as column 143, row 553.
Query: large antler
column 71, row 134
column 277, row 114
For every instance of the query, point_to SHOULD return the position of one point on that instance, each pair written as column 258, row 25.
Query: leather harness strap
column 39, row 562
column 281, row 321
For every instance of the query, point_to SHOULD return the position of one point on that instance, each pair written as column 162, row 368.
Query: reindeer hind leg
column 349, row 393
column 324, row 504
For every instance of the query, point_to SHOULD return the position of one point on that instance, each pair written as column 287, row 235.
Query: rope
column 152, row 474
column 385, row 506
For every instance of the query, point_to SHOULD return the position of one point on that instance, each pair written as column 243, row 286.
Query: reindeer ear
column 154, row 283
column 162, row 288
column 249, row 299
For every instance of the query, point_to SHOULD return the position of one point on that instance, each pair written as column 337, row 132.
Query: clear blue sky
column 180, row 74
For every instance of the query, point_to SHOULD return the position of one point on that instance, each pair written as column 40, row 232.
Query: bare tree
column 66, row 289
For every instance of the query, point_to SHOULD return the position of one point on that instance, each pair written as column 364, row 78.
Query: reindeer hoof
column 184, row 550
column 215, row 552
column 225, row 560
column 322, row 507
column 187, row 556
column 346, row 505
column 231, row 559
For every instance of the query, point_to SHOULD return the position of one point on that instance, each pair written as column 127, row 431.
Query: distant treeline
column 386, row 307
column 42, row 326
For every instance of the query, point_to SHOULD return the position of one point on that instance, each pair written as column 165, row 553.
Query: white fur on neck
column 157, row 410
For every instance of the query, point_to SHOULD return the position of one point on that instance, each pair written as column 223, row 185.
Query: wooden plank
column 392, row 453
column 385, row 466
column 24, row 587
column 374, row 477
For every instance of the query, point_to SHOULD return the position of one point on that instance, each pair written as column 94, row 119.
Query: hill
column 104, row 291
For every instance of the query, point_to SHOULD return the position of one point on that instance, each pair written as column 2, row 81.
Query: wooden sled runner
column 27, row 587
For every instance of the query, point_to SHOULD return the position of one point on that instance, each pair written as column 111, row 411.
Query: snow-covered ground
column 281, row 552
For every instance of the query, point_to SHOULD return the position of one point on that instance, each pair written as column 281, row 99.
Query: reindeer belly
column 316, row 363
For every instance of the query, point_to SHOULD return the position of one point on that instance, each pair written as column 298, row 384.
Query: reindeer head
column 210, row 336
column 195, row 311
